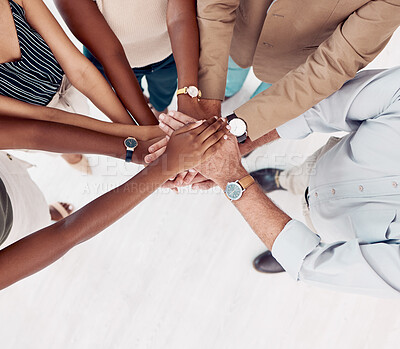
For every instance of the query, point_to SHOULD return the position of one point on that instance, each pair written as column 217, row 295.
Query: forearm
column 127, row 88
column 12, row 108
column 216, row 21
column 53, row 137
column 263, row 216
column 88, row 25
column 248, row 146
column 93, row 85
column 36, row 251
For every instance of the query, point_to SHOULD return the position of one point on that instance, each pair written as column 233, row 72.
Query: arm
column 188, row 147
column 354, row 44
column 184, row 34
column 216, row 20
column 353, row 266
column 89, row 26
column 81, row 73
column 13, row 108
column 59, row 138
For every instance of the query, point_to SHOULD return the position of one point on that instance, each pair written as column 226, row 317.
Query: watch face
column 238, row 127
column 130, row 142
column 233, row 191
column 193, row 91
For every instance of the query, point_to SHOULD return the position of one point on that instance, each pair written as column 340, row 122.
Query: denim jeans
column 162, row 79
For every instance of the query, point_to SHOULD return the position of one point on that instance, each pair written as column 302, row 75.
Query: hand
column 223, row 163
column 194, row 143
column 174, row 121
column 191, row 106
column 211, row 106
column 142, row 155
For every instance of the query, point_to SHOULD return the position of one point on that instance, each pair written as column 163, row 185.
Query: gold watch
column 192, row 91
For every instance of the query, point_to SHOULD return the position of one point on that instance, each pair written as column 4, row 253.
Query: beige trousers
column 296, row 179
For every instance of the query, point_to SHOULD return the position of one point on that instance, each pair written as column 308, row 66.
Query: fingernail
column 162, row 116
column 215, row 117
column 199, row 122
column 171, row 113
column 150, row 149
column 168, row 138
column 161, row 124
column 192, row 170
column 228, row 127
column 225, row 137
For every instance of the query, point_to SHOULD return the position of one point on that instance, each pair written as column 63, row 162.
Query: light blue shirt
column 354, row 195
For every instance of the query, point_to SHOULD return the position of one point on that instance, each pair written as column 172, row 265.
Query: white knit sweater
column 141, row 27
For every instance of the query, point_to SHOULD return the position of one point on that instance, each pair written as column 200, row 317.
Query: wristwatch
column 130, row 144
column 238, row 127
column 234, row 190
column 192, row 91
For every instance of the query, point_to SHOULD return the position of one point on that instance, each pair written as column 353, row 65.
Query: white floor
column 176, row 273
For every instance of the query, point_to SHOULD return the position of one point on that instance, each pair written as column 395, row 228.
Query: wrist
column 233, row 175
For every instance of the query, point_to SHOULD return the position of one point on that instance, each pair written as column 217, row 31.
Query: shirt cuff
column 293, row 244
column 297, row 128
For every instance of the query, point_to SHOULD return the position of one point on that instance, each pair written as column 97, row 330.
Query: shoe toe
column 266, row 263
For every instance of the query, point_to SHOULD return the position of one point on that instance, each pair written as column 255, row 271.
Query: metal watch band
column 246, row 182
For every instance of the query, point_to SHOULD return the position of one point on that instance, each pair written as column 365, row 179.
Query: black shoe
column 265, row 263
column 268, row 179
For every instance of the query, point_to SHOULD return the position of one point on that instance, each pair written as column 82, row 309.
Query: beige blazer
column 308, row 49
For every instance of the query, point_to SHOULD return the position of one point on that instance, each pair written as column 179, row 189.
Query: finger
column 197, row 130
column 179, row 179
column 191, row 175
column 212, row 129
column 206, row 185
column 217, row 137
column 212, row 150
column 168, row 184
column 154, row 156
column 191, row 126
column 171, row 122
column 158, row 145
column 165, row 128
column 183, row 118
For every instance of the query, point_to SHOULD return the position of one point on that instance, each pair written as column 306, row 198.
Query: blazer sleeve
column 354, row 43
column 216, row 21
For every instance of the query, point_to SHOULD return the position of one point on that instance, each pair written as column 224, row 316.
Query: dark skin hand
column 91, row 29
column 188, row 147
column 60, row 138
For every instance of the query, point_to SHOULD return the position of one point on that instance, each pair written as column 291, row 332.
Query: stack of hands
column 209, row 141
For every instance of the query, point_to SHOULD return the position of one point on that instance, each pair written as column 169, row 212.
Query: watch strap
column 181, row 91
column 246, row 182
column 129, row 154
column 231, row 117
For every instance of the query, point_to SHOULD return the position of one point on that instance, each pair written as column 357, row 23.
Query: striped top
column 36, row 77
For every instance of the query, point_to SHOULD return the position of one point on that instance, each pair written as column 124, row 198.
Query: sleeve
column 350, row 266
column 216, row 21
column 353, row 44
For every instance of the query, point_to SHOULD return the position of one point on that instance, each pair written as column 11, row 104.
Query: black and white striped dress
column 37, row 76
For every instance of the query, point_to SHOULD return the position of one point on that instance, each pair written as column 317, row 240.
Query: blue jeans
column 235, row 80
column 162, row 79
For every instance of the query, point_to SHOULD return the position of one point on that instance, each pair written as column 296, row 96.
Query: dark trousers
column 162, row 79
